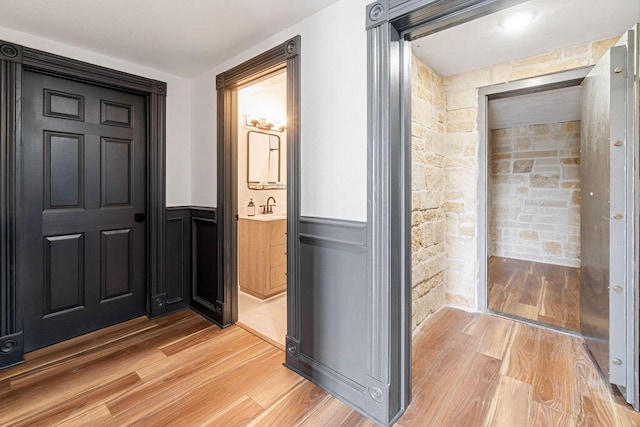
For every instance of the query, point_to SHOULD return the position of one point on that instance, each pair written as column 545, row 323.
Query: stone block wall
column 428, row 254
column 461, row 140
column 534, row 193
column 445, row 172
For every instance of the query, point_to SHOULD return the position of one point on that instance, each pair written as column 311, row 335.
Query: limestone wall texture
column 445, row 171
column 534, row 193
column 427, row 189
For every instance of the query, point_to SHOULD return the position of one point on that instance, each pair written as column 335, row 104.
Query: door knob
column 139, row 217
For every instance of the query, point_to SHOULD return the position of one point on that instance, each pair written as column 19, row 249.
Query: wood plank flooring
column 468, row 370
column 545, row 293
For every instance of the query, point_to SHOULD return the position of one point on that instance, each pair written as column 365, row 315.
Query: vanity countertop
column 264, row 217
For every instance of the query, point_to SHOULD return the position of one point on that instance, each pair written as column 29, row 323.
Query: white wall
column 333, row 116
column 178, row 107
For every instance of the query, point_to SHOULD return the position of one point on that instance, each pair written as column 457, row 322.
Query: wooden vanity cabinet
column 262, row 257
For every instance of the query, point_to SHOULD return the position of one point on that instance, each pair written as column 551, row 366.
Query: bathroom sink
column 266, row 217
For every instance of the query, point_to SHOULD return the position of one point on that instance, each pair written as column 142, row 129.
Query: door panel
column 64, row 261
column 594, row 233
column 116, row 172
column 84, row 156
column 63, row 173
column 609, row 318
column 116, row 266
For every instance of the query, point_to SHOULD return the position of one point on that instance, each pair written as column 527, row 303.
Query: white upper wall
column 333, row 116
column 178, row 107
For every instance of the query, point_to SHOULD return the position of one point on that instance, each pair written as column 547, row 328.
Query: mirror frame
column 255, row 185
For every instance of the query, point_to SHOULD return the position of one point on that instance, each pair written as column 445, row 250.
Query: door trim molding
column 14, row 60
column 284, row 56
column 390, row 25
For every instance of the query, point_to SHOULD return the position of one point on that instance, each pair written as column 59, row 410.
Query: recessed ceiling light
column 518, row 20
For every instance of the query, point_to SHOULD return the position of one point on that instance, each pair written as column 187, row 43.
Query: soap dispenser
column 251, row 208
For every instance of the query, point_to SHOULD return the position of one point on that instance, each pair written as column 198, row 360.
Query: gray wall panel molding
column 348, row 233
column 357, row 393
column 389, row 204
column 183, row 258
column 205, row 275
column 178, row 257
column 332, row 344
column 14, row 60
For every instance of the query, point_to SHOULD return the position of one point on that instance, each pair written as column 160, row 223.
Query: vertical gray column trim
column 293, row 204
column 11, row 339
column 389, row 292
column 227, row 203
column 156, row 200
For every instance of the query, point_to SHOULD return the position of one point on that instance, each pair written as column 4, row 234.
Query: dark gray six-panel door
column 84, row 184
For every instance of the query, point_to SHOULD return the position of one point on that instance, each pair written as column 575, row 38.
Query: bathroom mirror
column 263, row 161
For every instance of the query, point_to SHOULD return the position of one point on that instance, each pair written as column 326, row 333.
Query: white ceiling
column 559, row 23
column 551, row 106
column 182, row 37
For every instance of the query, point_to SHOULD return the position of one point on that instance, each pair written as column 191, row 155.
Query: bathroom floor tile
column 268, row 317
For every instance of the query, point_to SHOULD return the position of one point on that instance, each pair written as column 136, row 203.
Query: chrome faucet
column 269, row 208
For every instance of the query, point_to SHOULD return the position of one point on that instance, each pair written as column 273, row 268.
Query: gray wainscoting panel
column 204, row 263
column 333, row 347
column 178, row 257
column 191, row 260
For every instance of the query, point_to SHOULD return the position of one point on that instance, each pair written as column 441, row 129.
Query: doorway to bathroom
column 262, row 207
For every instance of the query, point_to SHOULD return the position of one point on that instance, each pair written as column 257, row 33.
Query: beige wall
column 445, row 172
column 428, row 254
column 534, row 193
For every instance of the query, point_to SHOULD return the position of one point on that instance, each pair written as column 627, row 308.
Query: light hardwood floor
column 545, row 293
column 468, row 370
